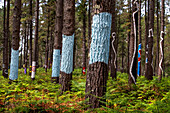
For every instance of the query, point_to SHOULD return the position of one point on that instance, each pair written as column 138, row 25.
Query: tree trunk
column 35, row 48
column 84, row 37
column 97, row 73
column 133, row 45
column 140, row 41
column 26, row 59
column 30, row 44
column 4, row 33
column 47, row 47
column 21, row 52
column 161, row 54
column 15, row 41
column 57, row 41
column 113, row 43
column 149, row 69
column 67, row 44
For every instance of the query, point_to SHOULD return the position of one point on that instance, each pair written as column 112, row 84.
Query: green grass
column 43, row 96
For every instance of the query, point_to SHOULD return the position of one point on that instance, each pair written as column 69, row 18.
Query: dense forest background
column 122, row 26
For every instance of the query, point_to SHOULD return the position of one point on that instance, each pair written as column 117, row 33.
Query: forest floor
column 43, row 96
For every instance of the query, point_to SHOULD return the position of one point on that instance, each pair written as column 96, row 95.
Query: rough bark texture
column 68, row 30
column 16, row 24
column 149, row 69
column 96, row 84
column 21, row 52
column 97, row 73
column 114, row 41
column 47, row 47
column 139, row 30
column 35, row 46
column 4, row 34
column 30, row 44
column 89, row 25
column 161, row 55
column 84, row 37
column 133, row 47
column 26, row 54
column 58, row 30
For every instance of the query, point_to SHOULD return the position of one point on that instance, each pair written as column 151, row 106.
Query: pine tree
column 35, row 47
column 97, row 73
column 149, row 68
column 133, row 44
column 67, row 45
column 161, row 54
column 57, row 41
column 15, row 41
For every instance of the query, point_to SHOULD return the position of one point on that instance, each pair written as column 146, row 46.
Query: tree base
column 96, row 80
column 65, row 81
column 55, row 80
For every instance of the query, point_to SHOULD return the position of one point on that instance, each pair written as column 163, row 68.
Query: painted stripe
column 67, row 54
column 14, row 64
column 134, row 23
column 56, row 63
column 33, row 69
column 139, row 58
column 114, row 35
column 100, row 43
column 161, row 49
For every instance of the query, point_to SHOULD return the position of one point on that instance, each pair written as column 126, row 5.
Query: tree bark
column 35, row 48
column 57, row 41
column 113, row 42
column 133, row 44
column 15, row 41
column 161, row 54
column 30, row 44
column 84, row 37
column 140, row 40
column 149, row 69
column 4, row 34
column 97, row 73
column 68, row 41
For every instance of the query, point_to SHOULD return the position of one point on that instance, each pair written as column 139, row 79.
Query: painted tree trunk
column 133, row 44
column 4, row 34
column 15, row 41
column 97, row 73
column 161, row 54
column 113, row 43
column 35, row 48
column 67, row 45
column 149, row 69
column 84, row 38
column 30, row 44
column 57, row 42
column 140, row 40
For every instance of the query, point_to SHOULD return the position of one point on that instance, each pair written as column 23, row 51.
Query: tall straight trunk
column 26, row 54
column 47, row 47
column 122, row 69
column 129, row 28
column 4, row 34
column 133, row 44
column 158, row 35
column 146, row 34
column 30, row 44
column 25, row 33
column 149, row 69
column 15, row 41
column 89, row 25
column 113, row 42
column 97, row 73
column 57, row 42
column 67, row 44
column 140, row 40
column 161, row 54
column 52, row 44
column 35, row 48
column 84, row 37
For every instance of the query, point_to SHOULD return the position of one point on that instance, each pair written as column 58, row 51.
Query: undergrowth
column 43, row 96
